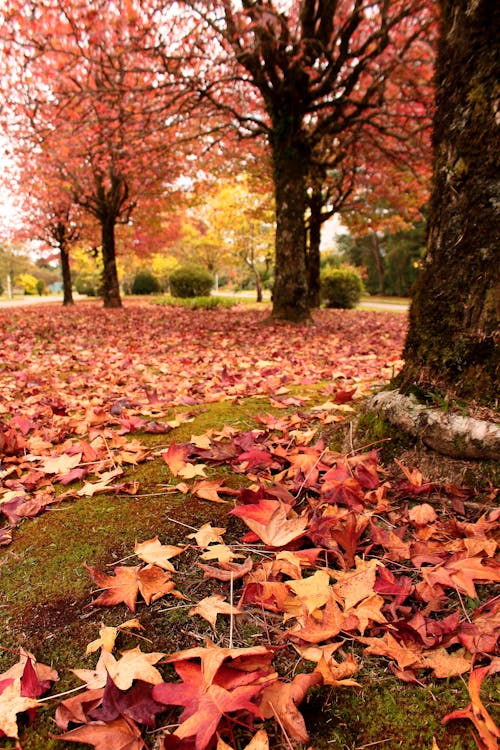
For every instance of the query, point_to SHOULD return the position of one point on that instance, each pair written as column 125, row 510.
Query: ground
column 94, row 391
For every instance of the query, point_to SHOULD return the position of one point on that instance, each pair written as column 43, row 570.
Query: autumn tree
column 452, row 341
column 230, row 227
column 300, row 72
column 89, row 95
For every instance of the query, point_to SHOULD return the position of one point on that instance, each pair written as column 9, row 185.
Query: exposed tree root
column 447, row 433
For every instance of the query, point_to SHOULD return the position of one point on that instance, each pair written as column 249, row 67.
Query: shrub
column 341, row 287
column 40, row 287
column 86, row 284
column 145, row 283
column 190, row 282
column 198, row 303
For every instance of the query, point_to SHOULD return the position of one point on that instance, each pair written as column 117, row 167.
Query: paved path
column 366, row 304
column 30, row 299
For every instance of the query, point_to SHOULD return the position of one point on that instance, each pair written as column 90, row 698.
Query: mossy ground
column 47, row 593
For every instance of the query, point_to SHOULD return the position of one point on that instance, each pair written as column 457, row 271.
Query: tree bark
column 453, row 339
column 66, row 276
column 313, row 247
column 290, row 293
column 110, row 284
column 379, row 263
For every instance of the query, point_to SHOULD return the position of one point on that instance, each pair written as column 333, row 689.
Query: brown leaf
column 120, row 734
column 214, row 605
column 228, row 571
column 281, row 700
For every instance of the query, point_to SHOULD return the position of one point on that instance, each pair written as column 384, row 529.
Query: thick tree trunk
column 290, row 298
column 452, row 343
column 313, row 248
column 66, row 276
column 110, row 285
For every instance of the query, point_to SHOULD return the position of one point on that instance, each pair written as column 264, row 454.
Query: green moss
column 385, row 713
column 376, row 432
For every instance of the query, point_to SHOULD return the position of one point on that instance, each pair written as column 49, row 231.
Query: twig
column 60, row 695
column 285, row 734
column 309, row 473
column 111, row 457
column 231, row 617
column 186, row 525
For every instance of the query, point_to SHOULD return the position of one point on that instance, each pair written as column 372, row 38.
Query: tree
column 302, row 72
column 452, row 342
column 229, row 226
column 88, row 95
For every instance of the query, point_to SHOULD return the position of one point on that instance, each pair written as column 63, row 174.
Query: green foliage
column 27, row 282
column 87, row 284
column 392, row 260
column 190, row 281
column 40, row 287
column 199, row 303
column 145, row 283
column 341, row 287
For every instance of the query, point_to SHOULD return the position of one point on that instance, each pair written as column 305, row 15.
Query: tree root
column 446, row 433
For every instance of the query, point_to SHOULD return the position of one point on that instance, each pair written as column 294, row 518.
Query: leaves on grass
column 341, row 554
column 126, row 583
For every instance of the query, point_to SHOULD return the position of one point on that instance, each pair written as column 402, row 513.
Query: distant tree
column 391, row 260
column 83, row 89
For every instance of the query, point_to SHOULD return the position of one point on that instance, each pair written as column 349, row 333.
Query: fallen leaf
column 444, row 664
column 477, row 713
column 279, row 529
column 214, row 605
column 11, row 704
column 281, row 700
column 207, row 534
column 120, row 734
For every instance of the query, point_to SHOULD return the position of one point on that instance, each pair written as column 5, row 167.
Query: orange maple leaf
column 126, row 583
column 214, row 605
column 477, row 713
column 281, row 700
column 278, row 530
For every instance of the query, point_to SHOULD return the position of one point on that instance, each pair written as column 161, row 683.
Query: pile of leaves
column 339, row 564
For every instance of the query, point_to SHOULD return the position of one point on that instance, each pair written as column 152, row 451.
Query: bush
column 27, row 282
column 40, row 287
column 145, row 283
column 190, row 282
column 198, row 303
column 87, row 284
column 341, row 287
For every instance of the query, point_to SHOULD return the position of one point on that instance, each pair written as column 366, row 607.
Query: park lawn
column 223, row 371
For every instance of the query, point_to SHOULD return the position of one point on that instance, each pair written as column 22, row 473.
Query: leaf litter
column 335, row 554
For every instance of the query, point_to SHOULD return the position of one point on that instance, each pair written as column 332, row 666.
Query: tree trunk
column 290, row 298
column 379, row 263
column 313, row 248
column 66, row 276
column 452, row 343
column 110, row 285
